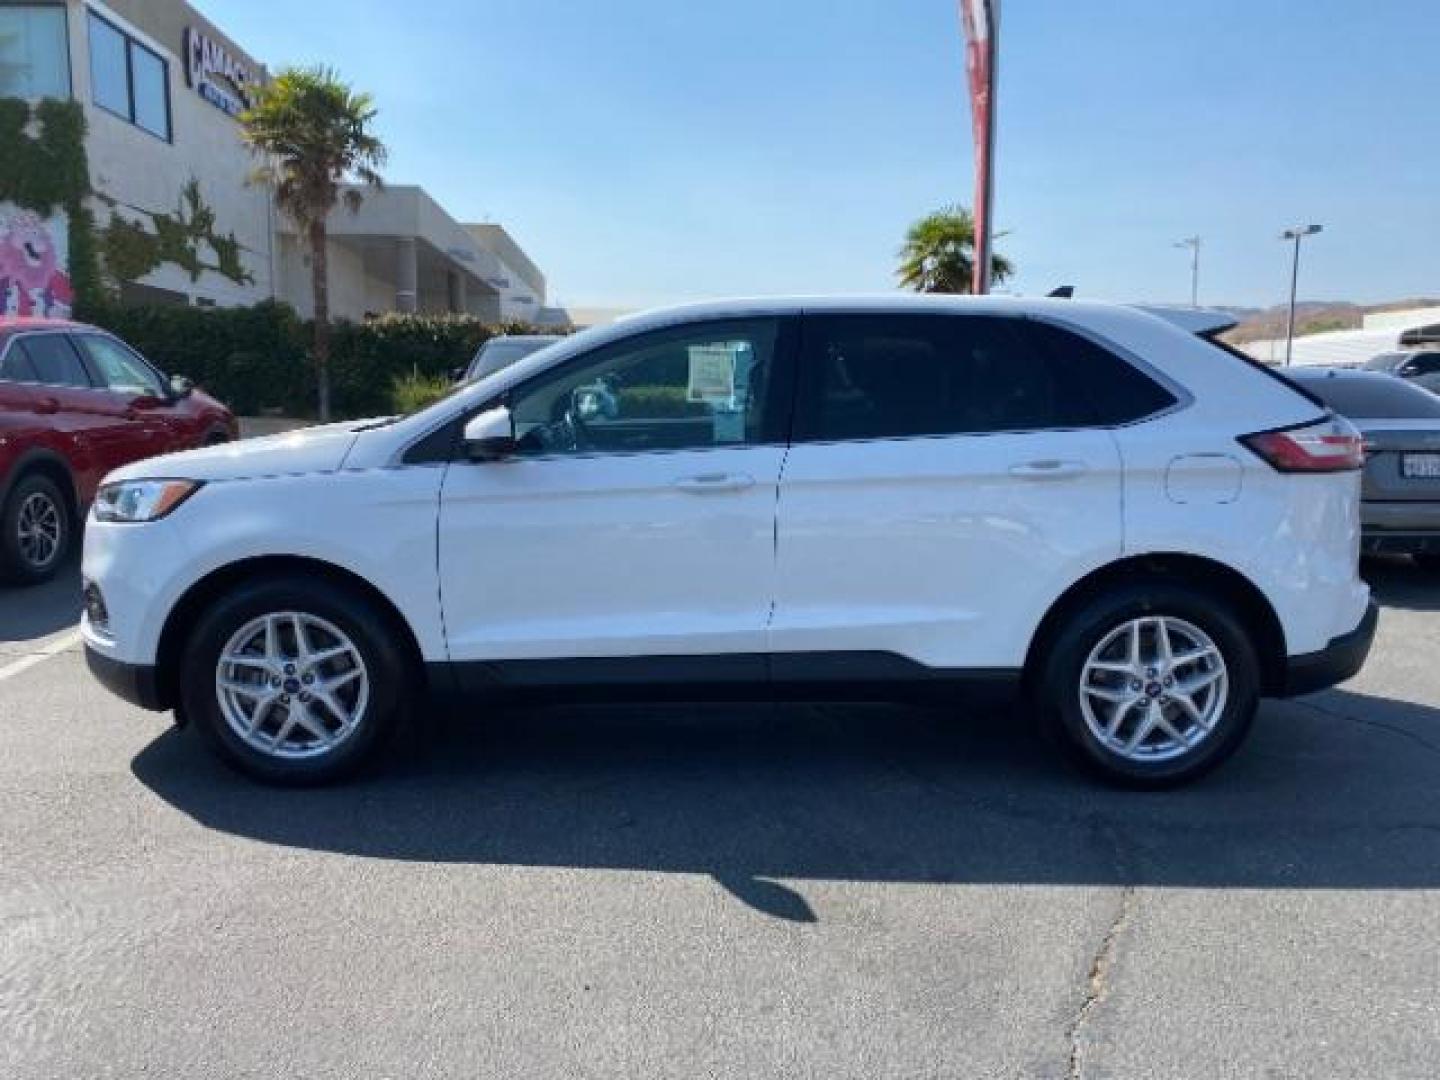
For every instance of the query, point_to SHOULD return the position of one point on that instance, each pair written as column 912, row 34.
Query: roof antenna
column 1064, row 292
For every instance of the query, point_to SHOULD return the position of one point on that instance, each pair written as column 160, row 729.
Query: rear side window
column 898, row 376
column 1375, row 398
column 15, row 366
column 1118, row 392
column 54, row 359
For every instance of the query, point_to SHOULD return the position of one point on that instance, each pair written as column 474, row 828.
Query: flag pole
column 981, row 19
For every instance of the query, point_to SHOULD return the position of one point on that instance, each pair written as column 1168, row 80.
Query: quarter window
column 34, row 51
column 694, row 387
column 129, row 79
column 1116, row 390
column 898, row 376
column 55, row 361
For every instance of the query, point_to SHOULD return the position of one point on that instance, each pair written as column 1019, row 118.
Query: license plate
column 1420, row 466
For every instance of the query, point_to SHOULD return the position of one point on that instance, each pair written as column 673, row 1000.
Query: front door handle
column 714, row 483
column 1048, row 470
column 45, row 406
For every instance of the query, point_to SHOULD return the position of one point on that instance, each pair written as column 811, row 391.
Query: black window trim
column 132, row 42
column 442, row 443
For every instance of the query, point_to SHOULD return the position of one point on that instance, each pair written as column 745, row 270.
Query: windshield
column 1377, row 398
column 497, row 355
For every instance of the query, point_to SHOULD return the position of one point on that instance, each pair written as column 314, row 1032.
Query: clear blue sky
column 648, row 151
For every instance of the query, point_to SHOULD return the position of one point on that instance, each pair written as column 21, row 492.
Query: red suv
column 76, row 402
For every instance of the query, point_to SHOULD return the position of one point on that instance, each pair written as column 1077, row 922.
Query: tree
column 313, row 134
column 939, row 254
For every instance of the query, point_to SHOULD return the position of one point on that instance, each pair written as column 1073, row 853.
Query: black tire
column 16, row 561
column 352, row 613
column 1427, row 560
column 1062, row 668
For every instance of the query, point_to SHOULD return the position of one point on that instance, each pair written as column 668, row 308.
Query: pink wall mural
column 33, row 260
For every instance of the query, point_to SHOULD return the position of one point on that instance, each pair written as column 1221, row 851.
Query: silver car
column 1400, row 507
column 500, row 352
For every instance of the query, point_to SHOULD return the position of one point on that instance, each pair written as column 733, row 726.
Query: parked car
column 1082, row 503
column 1420, row 366
column 500, row 352
column 75, row 403
column 1400, row 507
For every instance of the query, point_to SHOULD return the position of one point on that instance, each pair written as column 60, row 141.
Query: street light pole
column 1296, row 234
column 1193, row 243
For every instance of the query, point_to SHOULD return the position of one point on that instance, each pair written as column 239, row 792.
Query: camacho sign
column 216, row 75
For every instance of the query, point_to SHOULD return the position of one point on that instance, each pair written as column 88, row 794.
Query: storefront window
column 128, row 79
column 34, row 52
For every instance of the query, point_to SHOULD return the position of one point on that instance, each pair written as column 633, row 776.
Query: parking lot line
column 51, row 648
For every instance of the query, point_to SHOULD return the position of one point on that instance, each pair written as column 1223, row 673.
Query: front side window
column 34, row 51
column 693, row 387
column 901, row 376
column 128, row 79
column 54, row 359
column 118, row 368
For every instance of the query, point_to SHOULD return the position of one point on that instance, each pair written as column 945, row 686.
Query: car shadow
column 1397, row 582
column 1336, row 791
column 35, row 611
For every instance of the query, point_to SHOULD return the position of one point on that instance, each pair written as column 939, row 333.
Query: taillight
column 1329, row 445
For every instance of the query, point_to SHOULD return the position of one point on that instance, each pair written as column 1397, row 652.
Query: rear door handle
column 46, row 405
column 1048, row 470
column 714, row 483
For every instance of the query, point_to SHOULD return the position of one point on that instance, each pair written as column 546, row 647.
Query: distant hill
column 1311, row 317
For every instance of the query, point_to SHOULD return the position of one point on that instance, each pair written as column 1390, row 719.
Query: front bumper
column 1336, row 662
column 136, row 683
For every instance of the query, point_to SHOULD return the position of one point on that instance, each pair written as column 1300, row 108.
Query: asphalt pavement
column 748, row 891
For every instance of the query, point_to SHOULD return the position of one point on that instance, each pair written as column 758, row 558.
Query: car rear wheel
column 293, row 681
column 1152, row 685
column 35, row 522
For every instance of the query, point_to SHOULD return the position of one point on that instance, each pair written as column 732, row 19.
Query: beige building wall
column 143, row 172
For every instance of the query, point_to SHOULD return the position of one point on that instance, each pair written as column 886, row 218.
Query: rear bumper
column 1399, row 528
column 1338, row 661
column 135, row 683
column 1400, row 543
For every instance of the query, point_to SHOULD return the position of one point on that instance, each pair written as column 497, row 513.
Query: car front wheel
column 1152, row 685
column 293, row 681
column 34, row 530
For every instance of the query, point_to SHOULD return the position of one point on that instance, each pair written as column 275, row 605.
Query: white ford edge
column 1092, row 506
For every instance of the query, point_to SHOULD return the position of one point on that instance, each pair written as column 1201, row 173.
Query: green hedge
column 257, row 358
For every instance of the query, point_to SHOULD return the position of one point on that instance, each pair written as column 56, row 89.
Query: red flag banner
column 981, row 35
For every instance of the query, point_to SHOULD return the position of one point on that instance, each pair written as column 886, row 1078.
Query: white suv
column 1091, row 505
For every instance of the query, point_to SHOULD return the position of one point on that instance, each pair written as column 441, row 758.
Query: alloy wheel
column 292, row 685
column 40, row 523
column 1153, row 688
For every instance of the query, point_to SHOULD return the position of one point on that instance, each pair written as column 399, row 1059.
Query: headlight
column 141, row 500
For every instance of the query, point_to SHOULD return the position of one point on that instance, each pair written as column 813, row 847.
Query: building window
column 128, row 79
column 34, row 51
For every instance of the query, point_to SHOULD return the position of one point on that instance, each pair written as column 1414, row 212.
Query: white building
column 1379, row 332
column 160, row 86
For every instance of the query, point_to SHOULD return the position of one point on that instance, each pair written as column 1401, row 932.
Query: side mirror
column 490, row 436
column 457, row 374
column 181, row 387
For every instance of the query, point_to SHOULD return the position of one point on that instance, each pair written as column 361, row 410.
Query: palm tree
column 313, row 134
column 939, row 254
